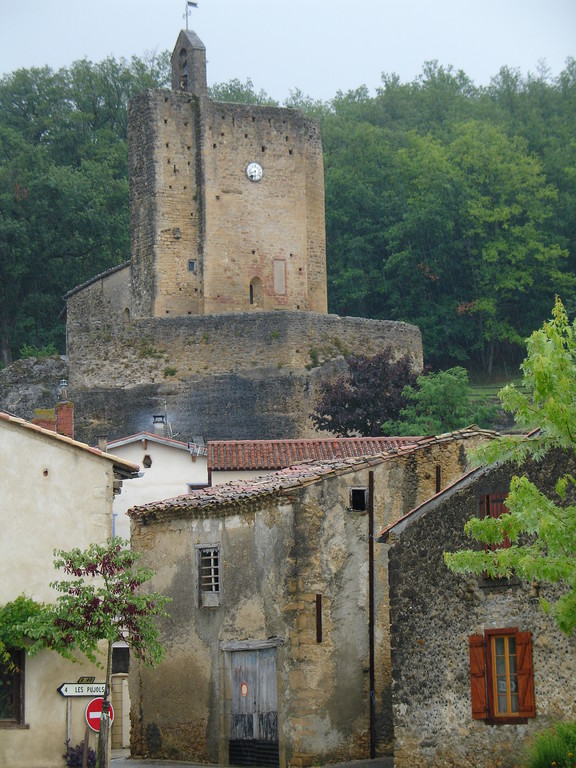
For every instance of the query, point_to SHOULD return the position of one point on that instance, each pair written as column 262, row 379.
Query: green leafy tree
column 542, row 531
column 101, row 600
column 240, row 93
column 21, row 629
column 63, row 187
column 439, row 402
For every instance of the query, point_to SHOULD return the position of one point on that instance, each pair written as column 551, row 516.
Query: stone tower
column 221, row 313
column 227, row 201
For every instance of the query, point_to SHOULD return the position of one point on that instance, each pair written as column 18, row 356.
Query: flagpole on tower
column 187, row 11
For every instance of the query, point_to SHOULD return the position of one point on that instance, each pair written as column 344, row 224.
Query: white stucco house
column 56, row 493
column 168, row 468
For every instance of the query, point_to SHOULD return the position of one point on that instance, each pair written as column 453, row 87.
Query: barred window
column 209, row 575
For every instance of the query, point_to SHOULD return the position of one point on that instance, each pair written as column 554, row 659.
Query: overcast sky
column 318, row 46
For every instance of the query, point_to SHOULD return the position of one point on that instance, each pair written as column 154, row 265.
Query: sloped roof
column 95, row 279
column 121, row 466
column 395, row 529
column 239, row 492
column 461, row 483
column 242, row 455
column 152, row 437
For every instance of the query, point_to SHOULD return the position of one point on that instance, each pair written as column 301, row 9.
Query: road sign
column 94, row 713
column 82, row 689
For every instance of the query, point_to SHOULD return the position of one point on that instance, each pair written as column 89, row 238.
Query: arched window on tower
column 183, row 69
column 256, row 292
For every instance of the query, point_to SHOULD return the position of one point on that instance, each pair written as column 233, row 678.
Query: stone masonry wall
column 246, row 375
column 433, row 612
column 192, row 201
column 278, row 554
column 251, row 226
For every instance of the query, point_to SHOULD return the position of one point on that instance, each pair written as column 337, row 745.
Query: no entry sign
column 94, row 713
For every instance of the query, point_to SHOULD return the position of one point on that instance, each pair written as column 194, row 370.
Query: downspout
column 371, row 613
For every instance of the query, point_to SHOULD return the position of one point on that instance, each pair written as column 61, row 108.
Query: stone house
column 277, row 645
column 56, row 494
column 477, row 667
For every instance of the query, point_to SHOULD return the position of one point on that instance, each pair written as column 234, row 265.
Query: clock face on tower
column 254, row 171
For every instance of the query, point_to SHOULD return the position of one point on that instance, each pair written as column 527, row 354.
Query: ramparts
column 244, row 375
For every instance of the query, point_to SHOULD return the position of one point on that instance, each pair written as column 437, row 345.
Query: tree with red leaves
column 369, row 393
column 101, row 601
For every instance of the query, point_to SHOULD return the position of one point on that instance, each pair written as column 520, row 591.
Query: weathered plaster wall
column 41, row 484
column 278, row 554
column 432, row 614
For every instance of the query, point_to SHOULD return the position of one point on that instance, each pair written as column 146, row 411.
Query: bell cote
column 189, row 64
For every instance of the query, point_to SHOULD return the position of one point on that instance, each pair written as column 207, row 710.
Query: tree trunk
column 5, row 351
column 103, row 760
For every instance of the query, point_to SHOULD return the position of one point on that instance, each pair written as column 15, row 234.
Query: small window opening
column 209, row 576
column 359, row 499
column 192, row 266
column 120, row 660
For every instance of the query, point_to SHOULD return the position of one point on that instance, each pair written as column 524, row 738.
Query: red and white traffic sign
column 94, row 713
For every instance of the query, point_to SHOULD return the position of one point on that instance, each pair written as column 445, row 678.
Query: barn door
column 254, row 712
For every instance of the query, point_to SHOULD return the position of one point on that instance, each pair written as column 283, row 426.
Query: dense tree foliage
column 368, row 392
column 540, row 529
column 452, row 207
column 447, row 205
column 439, row 402
column 63, row 187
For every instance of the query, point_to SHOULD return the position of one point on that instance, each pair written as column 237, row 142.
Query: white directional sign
column 82, row 689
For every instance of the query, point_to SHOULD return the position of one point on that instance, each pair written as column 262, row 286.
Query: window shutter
column 478, row 677
column 525, row 675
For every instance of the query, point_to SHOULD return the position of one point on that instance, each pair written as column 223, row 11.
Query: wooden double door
column 254, row 708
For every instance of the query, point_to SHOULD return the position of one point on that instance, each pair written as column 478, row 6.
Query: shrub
column 73, row 756
column 554, row 748
column 48, row 350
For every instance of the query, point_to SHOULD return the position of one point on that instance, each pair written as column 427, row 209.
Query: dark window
column 359, row 499
column 196, row 486
column 120, row 660
column 192, row 266
column 12, row 691
column 501, row 678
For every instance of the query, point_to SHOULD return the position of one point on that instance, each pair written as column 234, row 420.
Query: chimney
column 159, row 424
column 63, row 390
column 45, row 418
column 65, row 419
column 103, row 443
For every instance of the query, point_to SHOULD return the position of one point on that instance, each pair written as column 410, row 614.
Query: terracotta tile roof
column 276, row 454
column 240, row 492
column 125, row 468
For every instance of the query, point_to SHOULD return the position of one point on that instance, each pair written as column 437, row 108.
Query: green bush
column 555, row 748
column 48, row 350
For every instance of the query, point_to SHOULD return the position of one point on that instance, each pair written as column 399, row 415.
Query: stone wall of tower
column 277, row 223
column 202, row 232
column 165, row 204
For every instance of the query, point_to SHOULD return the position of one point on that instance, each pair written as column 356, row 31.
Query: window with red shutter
column 501, row 676
column 494, row 505
column 478, row 677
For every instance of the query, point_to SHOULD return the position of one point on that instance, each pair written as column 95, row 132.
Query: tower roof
column 189, row 64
